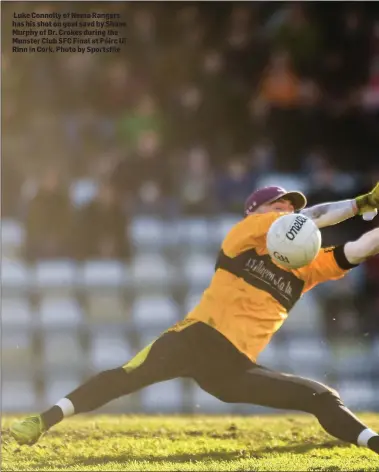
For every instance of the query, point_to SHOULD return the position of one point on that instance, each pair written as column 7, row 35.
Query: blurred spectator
column 233, row 187
column 144, row 118
column 146, row 163
column 354, row 42
column 262, row 157
column 49, row 220
column 334, row 82
column 149, row 200
column 185, row 108
column 217, row 116
column 371, row 91
column 102, row 227
column 196, row 182
column 282, row 94
column 121, row 85
column 315, row 160
column 300, row 37
column 144, row 29
column 245, row 51
column 191, row 29
column 279, row 85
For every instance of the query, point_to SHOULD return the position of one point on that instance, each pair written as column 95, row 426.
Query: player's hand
column 369, row 201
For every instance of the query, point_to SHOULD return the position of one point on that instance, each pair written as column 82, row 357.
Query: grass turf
column 162, row 443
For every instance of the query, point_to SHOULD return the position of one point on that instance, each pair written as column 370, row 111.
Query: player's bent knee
column 217, row 390
column 326, row 402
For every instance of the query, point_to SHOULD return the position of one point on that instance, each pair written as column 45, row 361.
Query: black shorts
column 200, row 352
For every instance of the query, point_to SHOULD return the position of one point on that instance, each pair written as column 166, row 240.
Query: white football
column 293, row 241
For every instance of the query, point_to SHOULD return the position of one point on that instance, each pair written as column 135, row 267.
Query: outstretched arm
column 334, row 262
column 363, row 248
column 328, row 214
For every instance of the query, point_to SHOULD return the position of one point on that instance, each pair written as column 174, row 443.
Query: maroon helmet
column 266, row 195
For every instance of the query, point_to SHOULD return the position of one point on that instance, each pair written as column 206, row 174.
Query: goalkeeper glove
column 368, row 202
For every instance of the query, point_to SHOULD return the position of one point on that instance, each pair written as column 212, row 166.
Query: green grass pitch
column 166, row 443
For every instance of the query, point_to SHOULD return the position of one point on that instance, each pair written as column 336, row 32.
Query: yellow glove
column 369, row 201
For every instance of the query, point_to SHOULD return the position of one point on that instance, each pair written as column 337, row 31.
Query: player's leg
column 164, row 359
column 261, row 386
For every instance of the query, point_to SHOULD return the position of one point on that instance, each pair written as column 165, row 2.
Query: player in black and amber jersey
column 219, row 341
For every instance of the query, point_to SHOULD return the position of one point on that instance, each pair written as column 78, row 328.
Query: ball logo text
column 296, row 227
column 281, row 258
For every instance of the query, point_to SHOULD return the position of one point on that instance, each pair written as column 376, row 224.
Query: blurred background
column 121, row 174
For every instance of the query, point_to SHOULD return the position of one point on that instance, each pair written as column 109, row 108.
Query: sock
column 56, row 413
column 368, row 438
column 96, row 392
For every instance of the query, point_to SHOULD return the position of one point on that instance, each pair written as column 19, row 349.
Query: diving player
column 218, row 343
